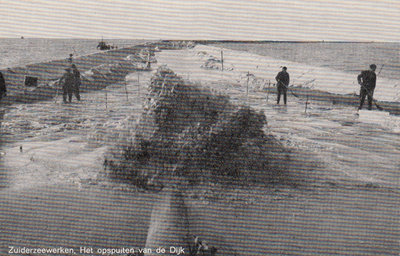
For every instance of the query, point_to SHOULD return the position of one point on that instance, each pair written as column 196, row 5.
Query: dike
column 97, row 70
column 307, row 82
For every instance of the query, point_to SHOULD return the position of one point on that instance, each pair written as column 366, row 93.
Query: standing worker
column 148, row 65
column 283, row 80
column 70, row 59
column 3, row 89
column 67, row 81
column 77, row 81
column 367, row 80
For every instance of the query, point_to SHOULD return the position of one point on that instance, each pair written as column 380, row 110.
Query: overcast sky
column 360, row 20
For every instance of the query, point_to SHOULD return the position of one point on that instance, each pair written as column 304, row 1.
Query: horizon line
column 211, row 40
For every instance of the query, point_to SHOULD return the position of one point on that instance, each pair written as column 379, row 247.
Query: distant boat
column 103, row 46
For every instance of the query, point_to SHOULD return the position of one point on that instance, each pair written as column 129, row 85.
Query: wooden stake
column 305, row 109
column 222, row 59
column 106, row 99
column 247, row 84
column 138, row 81
column 269, row 84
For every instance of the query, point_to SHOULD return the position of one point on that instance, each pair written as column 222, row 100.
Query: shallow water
column 20, row 52
column 347, row 57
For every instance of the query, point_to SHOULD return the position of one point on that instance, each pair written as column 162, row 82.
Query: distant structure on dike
column 103, row 46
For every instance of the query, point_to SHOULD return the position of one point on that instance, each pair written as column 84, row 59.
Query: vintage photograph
column 216, row 127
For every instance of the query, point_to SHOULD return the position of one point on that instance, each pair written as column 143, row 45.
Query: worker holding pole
column 367, row 81
column 283, row 80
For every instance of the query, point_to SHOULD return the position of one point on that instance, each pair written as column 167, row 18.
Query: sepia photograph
column 199, row 128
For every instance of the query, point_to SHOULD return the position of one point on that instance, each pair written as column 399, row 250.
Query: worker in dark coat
column 283, row 80
column 77, row 81
column 67, row 81
column 367, row 80
column 71, row 58
column 3, row 89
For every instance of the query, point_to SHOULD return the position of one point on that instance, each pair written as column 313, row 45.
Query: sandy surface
column 348, row 203
column 53, row 195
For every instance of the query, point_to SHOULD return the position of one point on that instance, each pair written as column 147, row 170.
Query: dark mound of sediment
column 191, row 133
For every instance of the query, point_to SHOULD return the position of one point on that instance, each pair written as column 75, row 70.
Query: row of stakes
column 126, row 89
column 269, row 84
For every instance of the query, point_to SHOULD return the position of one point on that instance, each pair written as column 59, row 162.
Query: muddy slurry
column 51, row 160
column 343, row 198
column 55, row 129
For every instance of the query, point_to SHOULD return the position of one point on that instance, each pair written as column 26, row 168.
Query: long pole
column 305, row 109
column 126, row 90
column 369, row 92
column 373, row 100
column 291, row 91
column 380, row 70
column 288, row 88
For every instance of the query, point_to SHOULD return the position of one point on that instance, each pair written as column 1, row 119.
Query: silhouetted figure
column 77, row 81
column 148, row 65
column 3, row 89
column 283, row 80
column 67, row 81
column 71, row 59
column 367, row 80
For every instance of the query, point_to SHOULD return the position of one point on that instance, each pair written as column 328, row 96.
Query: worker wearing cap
column 283, row 80
column 367, row 80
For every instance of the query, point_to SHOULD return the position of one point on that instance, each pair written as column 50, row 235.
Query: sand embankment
column 347, row 206
column 316, row 83
column 97, row 71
